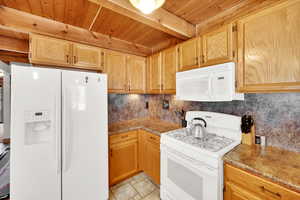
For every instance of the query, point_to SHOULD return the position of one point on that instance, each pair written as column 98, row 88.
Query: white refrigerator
column 59, row 136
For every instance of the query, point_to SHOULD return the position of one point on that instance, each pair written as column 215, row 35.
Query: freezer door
column 35, row 133
column 85, row 137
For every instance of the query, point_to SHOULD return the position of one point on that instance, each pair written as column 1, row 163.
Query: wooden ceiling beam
column 160, row 19
column 8, row 56
column 23, row 22
column 13, row 44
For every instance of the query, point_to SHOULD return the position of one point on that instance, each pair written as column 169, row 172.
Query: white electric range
column 192, row 169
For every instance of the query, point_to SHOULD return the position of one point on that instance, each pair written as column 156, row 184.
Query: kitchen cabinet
column 123, row 156
column 154, row 74
column 218, row 46
column 136, row 74
column 152, row 156
column 168, row 70
column 268, row 50
column 115, row 67
column 235, row 192
column 49, row 51
column 242, row 185
column 188, row 53
column 85, row 56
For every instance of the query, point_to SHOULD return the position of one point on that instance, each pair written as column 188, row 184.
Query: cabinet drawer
column 123, row 137
column 155, row 139
column 258, row 185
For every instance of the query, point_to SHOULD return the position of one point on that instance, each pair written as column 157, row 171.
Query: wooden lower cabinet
column 242, row 185
column 123, row 158
column 235, row 192
column 132, row 152
column 152, row 156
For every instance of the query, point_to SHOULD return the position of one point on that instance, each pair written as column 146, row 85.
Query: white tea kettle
column 198, row 128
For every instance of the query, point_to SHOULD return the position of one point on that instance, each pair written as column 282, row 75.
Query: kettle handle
column 199, row 118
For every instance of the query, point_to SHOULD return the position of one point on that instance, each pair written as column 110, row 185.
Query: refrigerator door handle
column 65, row 129
column 57, row 132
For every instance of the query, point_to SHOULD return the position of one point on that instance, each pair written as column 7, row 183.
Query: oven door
column 185, row 178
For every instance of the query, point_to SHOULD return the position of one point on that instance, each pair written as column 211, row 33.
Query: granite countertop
column 154, row 126
column 278, row 165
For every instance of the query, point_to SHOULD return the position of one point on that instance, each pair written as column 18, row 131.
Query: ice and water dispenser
column 38, row 127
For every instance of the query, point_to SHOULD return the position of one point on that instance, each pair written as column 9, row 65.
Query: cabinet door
column 86, row 57
column 49, row 51
column 136, row 74
column 169, row 69
column 217, row 46
column 123, row 160
column 152, row 161
column 269, row 55
column 115, row 67
column 142, row 155
column 234, row 192
column 189, row 54
column 154, row 73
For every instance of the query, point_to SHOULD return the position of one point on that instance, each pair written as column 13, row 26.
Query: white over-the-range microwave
column 210, row 84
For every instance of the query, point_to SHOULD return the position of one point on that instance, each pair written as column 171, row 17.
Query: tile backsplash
column 277, row 116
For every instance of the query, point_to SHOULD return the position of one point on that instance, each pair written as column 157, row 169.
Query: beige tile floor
column 139, row 187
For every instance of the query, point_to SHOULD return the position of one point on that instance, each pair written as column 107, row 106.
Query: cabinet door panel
column 50, row 51
column 218, row 46
column 115, row 68
column 270, row 61
column 154, row 73
column 189, row 54
column 169, row 69
column 136, row 73
column 123, row 160
column 152, row 161
column 86, row 56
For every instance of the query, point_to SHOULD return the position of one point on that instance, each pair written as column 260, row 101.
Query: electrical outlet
column 166, row 105
column 147, row 105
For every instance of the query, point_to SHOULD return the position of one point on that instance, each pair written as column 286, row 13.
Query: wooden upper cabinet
column 50, row 51
column 136, row 74
column 85, row 56
column 189, row 54
column 217, row 46
column 115, row 67
column 169, row 69
column 154, row 73
column 269, row 55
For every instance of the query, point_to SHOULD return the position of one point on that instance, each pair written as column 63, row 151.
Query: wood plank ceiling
column 95, row 16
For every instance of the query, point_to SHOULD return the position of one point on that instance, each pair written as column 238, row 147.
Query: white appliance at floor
column 192, row 168
column 59, row 137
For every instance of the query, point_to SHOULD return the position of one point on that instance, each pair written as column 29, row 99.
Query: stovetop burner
column 211, row 142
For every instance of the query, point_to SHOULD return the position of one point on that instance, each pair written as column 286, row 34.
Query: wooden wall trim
column 23, row 22
column 13, row 44
column 160, row 19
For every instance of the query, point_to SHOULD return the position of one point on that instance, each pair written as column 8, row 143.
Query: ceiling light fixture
column 147, row 6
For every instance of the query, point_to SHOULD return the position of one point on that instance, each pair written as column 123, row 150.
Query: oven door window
column 188, row 182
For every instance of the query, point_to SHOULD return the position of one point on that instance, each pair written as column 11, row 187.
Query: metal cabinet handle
column 276, row 194
column 75, row 59
column 111, row 153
